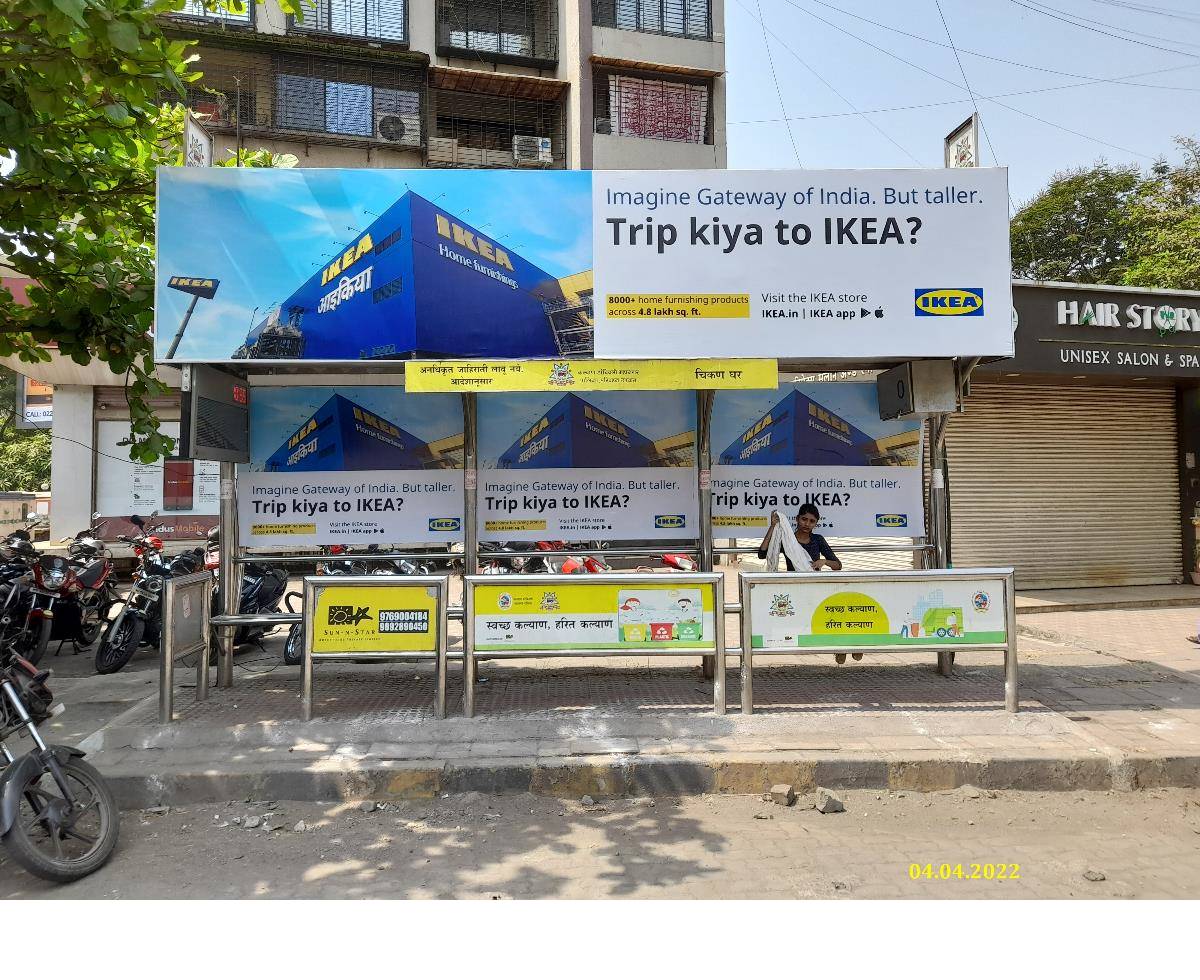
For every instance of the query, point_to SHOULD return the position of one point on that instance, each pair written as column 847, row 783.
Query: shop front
column 1075, row 460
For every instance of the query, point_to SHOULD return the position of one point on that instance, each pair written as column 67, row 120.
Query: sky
column 823, row 72
column 855, row 401
column 504, row 418
column 263, row 233
column 275, row 413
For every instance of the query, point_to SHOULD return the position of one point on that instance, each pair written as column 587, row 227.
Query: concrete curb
column 331, row 778
column 1060, row 607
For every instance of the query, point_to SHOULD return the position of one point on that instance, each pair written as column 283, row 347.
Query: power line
column 962, row 71
column 1144, row 8
column 829, row 85
column 1057, row 15
column 1124, row 30
column 775, row 79
column 992, row 99
column 980, row 54
column 948, row 102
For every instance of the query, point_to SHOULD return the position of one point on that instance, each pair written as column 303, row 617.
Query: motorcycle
column 263, row 586
column 139, row 620
column 88, row 591
column 29, row 583
column 58, row 817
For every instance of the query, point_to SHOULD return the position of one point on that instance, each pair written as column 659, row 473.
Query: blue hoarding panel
column 802, row 432
column 574, row 432
column 341, row 435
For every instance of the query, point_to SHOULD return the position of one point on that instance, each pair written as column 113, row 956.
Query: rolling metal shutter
column 1072, row 486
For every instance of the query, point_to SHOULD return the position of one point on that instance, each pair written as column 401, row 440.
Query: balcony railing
column 516, row 31
column 677, row 18
column 473, row 130
column 311, row 99
column 651, row 108
column 368, row 20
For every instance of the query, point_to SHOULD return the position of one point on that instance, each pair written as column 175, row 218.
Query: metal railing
column 369, row 20
column 197, row 10
column 185, row 630
column 690, row 19
column 518, row 31
column 474, row 130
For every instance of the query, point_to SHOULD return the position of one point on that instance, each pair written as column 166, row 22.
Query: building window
column 389, row 241
column 652, row 108
column 387, row 291
column 348, row 100
column 522, row 30
column 195, row 8
column 677, row 18
column 372, row 20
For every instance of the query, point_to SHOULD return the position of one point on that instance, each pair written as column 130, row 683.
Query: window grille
column 652, row 108
column 483, row 126
column 195, row 8
column 677, row 18
column 371, row 20
column 499, row 30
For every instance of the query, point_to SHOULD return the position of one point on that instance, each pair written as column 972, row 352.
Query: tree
column 1081, row 228
column 1167, row 218
column 24, row 456
column 82, row 121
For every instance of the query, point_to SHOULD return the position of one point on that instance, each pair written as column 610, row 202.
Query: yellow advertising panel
column 591, row 375
column 375, row 619
column 595, row 615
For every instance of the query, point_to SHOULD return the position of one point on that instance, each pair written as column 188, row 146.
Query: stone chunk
column 827, row 802
column 782, row 794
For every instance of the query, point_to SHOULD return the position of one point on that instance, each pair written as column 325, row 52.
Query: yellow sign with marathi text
column 591, row 375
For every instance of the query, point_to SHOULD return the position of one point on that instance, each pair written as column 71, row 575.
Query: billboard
column 352, row 465
column 821, row 443
column 605, row 466
column 349, row 265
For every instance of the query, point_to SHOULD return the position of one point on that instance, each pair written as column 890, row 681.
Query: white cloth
column 783, row 537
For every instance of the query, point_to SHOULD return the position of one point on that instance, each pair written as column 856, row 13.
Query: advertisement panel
column 347, row 265
column 593, row 615
column 821, row 443
column 35, row 404
column 615, row 465
column 184, row 492
column 593, row 375
column 375, row 619
column 819, row 612
column 357, row 465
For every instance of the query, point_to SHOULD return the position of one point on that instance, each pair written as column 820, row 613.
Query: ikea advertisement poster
column 583, row 467
column 347, row 265
column 819, row 443
column 361, row 465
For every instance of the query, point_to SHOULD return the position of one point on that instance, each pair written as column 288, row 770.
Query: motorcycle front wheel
column 293, row 650
column 32, row 640
column 58, row 842
column 119, row 644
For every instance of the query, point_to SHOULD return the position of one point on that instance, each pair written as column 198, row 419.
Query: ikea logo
column 445, row 523
column 891, row 520
column 949, row 302
column 670, row 520
column 347, row 259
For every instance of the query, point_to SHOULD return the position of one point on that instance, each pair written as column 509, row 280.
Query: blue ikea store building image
column 419, row 282
column 341, row 435
column 574, row 432
column 799, row 431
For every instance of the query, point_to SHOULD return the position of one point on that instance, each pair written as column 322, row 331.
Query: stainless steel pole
column 938, row 504
column 306, row 662
column 704, row 403
column 747, row 651
column 718, row 594
column 230, row 570
column 1012, row 701
column 166, row 670
column 470, row 485
column 206, row 632
column 443, row 651
column 468, row 696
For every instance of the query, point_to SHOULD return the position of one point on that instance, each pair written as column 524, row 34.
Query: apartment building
column 591, row 84
column 599, row 84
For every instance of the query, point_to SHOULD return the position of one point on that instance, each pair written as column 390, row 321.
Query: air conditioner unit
column 396, row 127
column 532, row 151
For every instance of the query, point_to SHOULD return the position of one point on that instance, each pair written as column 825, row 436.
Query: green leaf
column 73, row 9
column 124, row 35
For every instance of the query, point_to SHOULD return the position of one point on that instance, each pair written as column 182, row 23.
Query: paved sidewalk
column 1109, row 700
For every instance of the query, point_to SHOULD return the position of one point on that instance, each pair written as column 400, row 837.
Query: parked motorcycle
column 58, row 817
column 88, row 591
column 29, row 584
column 139, row 620
column 263, row 586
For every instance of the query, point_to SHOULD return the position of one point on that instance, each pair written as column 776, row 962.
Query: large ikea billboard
column 351, row 265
